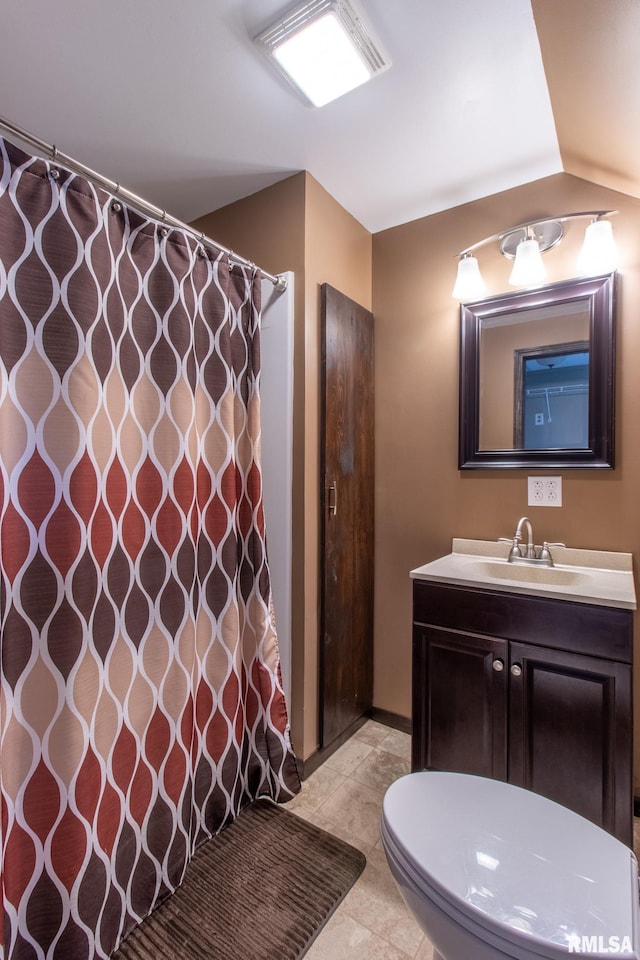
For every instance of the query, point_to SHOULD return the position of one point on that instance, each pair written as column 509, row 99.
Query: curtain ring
column 54, row 173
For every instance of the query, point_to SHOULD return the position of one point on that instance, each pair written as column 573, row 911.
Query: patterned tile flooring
column 344, row 797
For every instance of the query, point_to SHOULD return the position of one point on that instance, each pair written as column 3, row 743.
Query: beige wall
column 422, row 499
column 296, row 225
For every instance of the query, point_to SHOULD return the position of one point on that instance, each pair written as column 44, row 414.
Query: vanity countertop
column 581, row 576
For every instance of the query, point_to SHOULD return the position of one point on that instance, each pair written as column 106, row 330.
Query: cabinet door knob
column 498, row 665
column 516, row 670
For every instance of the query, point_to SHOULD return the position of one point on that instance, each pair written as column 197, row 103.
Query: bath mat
column 260, row 890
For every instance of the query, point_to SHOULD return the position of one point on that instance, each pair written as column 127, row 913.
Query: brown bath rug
column 260, row 890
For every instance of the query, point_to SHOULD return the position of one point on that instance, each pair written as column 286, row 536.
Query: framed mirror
column 537, row 377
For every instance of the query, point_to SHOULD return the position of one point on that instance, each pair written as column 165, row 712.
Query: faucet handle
column 545, row 553
column 515, row 548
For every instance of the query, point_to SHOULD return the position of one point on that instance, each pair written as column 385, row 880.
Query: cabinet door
column 569, row 732
column 459, row 702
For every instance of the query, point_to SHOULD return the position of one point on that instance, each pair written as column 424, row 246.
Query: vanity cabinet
column 532, row 690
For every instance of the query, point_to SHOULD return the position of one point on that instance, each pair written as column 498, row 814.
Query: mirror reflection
column 534, row 378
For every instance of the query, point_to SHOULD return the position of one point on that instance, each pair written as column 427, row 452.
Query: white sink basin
column 526, row 573
column 583, row 576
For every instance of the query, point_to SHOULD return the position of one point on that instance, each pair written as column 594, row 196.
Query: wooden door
column 347, row 544
column 569, row 732
column 459, row 702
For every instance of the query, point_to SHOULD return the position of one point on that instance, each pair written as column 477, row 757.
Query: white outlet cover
column 544, row 491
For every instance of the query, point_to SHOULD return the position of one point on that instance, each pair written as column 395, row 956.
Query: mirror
column 537, row 377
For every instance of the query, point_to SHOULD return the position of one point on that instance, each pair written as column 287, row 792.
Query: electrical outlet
column 544, row 491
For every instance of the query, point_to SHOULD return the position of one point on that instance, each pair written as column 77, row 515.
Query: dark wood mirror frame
column 600, row 294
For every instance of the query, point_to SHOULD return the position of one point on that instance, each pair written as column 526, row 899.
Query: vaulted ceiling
column 591, row 56
column 174, row 101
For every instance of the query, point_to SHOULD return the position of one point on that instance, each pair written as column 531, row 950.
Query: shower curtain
column 141, row 703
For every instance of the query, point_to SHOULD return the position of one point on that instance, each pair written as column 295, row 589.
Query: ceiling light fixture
column 524, row 245
column 323, row 48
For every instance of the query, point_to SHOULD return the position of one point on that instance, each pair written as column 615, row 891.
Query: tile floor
column 344, row 797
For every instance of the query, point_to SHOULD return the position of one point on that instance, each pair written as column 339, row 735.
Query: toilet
column 491, row 870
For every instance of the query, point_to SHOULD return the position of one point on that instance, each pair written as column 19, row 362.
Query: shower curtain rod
column 279, row 281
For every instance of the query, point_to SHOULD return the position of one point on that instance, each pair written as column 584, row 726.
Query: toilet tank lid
column 516, row 860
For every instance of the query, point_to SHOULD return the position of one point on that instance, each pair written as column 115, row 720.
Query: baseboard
column 393, row 720
column 389, row 719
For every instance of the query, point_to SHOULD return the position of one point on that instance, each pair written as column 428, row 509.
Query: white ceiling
column 171, row 99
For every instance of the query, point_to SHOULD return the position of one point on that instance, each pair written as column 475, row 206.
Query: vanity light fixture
column 323, row 48
column 526, row 243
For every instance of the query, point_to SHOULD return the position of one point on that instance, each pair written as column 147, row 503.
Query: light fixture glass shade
column 469, row 284
column 322, row 47
column 528, row 268
column 599, row 253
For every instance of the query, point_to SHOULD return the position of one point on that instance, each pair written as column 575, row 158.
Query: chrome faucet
column 528, row 555
column 516, row 550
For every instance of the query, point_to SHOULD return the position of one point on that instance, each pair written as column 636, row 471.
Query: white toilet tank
column 515, row 869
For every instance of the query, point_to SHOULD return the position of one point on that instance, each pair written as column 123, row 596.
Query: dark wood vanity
column 528, row 689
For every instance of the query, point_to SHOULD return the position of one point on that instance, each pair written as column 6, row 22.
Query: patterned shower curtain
column 141, row 703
